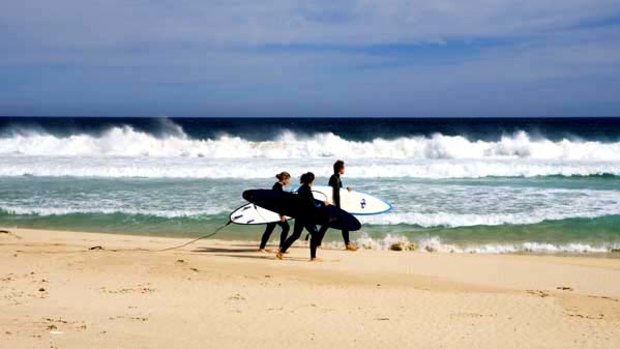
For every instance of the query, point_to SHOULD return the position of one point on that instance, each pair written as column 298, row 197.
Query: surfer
column 336, row 184
column 283, row 180
column 305, row 194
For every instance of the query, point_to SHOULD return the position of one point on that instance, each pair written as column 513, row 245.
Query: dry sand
column 57, row 293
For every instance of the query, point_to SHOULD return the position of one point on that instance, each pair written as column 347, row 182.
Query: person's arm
column 278, row 187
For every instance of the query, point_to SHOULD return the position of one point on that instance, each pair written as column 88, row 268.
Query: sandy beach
column 57, row 292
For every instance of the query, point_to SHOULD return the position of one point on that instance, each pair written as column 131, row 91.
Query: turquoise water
column 482, row 215
column 457, row 185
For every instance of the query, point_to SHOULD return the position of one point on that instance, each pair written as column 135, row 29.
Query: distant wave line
column 127, row 142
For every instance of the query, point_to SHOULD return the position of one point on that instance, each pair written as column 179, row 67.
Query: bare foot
column 351, row 247
column 279, row 255
column 316, row 259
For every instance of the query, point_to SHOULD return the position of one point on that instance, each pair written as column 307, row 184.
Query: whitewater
column 126, row 152
column 489, row 186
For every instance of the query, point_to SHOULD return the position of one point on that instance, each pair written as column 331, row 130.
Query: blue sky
column 277, row 58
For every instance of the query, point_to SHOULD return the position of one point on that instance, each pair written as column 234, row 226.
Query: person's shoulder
column 304, row 190
column 333, row 179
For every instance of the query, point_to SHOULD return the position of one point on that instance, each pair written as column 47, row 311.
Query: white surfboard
column 353, row 202
column 251, row 214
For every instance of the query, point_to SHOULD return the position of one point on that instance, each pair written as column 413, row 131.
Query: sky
column 274, row 58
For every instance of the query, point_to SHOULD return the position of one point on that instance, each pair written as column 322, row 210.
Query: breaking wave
column 126, row 152
column 126, row 141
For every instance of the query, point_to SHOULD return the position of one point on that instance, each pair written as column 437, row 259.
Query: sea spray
column 457, row 185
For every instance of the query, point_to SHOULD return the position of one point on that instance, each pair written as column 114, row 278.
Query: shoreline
column 56, row 292
column 403, row 246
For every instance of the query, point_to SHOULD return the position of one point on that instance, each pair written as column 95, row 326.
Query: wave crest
column 128, row 142
column 123, row 151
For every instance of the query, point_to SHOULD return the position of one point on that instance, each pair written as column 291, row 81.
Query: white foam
column 422, row 220
column 434, row 244
column 175, row 167
column 61, row 211
column 453, row 220
column 128, row 142
column 126, row 152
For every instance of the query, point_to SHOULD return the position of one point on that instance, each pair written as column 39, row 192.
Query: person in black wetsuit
column 336, row 184
column 305, row 194
column 283, row 179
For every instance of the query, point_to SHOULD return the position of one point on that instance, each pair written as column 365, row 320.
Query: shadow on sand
column 242, row 251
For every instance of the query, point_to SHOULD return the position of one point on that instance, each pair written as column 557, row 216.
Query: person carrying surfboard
column 283, row 180
column 336, row 183
column 304, row 194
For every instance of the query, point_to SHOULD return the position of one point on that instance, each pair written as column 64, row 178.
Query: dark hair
column 283, row 175
column 307, row 178
column 338, row 165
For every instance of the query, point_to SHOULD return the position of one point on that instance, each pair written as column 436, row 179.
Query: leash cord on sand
column 196, row 239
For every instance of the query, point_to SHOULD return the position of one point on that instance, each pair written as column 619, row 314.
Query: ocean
column 467, row 185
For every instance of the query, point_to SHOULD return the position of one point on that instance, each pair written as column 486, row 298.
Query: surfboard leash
column 196, row 239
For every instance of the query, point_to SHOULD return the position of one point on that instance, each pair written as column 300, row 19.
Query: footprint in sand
column 237, row 297
column 541, row 294
column 129, row 317
column 605, row 298
column 140, row 288
column 56, row 326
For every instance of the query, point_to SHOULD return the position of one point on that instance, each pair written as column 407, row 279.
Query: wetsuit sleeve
column 278, row 187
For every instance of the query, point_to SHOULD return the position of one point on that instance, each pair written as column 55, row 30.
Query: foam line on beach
column 435, row 244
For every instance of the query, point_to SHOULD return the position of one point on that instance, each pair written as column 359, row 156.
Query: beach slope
column 85, row 290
